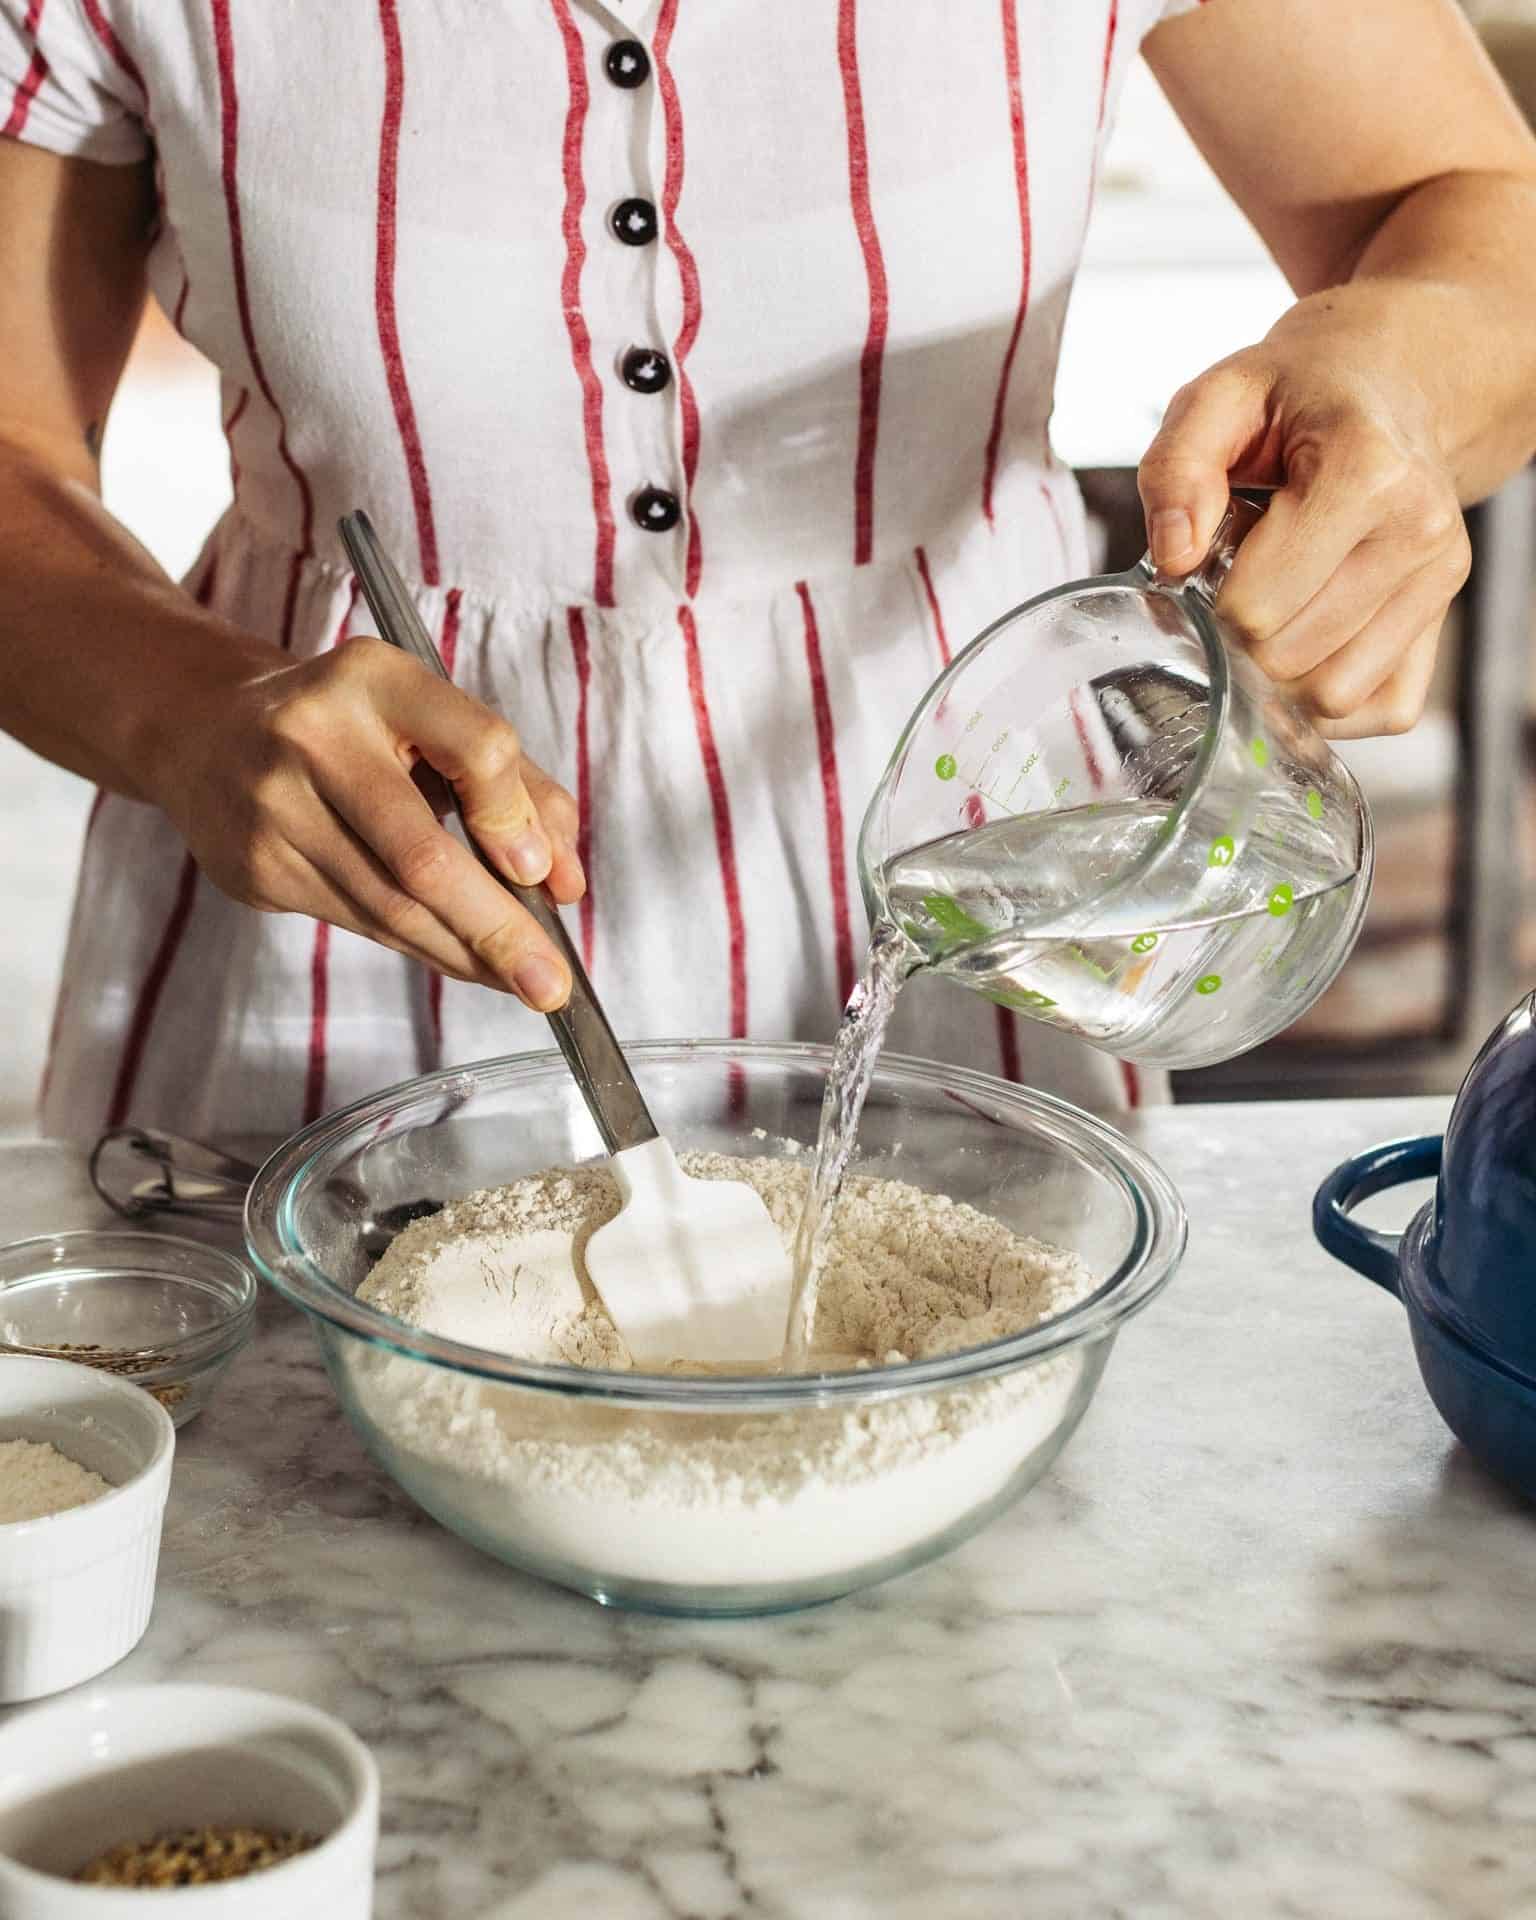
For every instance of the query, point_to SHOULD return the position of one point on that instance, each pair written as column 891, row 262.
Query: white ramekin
column 119, row 1764
column 76, row 1588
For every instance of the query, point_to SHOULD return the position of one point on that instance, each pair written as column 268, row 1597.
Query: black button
column 656, row 510
column 646, row 369
column 627, row 64
column 634, row 221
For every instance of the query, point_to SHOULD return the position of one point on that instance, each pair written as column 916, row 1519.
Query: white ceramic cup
column 76, row 1588
column 120, row 1764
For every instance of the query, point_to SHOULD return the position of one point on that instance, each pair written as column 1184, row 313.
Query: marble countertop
column 1259, row 1645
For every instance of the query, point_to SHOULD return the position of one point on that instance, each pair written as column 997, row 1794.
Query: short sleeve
column 68, row 83
column 1160, row 10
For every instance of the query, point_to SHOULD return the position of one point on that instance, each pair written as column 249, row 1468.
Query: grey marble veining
column 1261, row 1645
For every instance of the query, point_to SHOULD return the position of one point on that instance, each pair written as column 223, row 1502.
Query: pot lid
column 1482, row 1256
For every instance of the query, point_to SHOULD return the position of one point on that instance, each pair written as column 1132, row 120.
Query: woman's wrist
column 121, row 675
column 192, row 667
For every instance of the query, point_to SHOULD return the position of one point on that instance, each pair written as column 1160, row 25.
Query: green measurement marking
column 1314, row 803
column 945, row 767
column 1022, row 1000
column 1282, row 900
column 1260, row 751
column 950, row 917
column 1210, row 984
column 1144, row 943
column 1223, row 850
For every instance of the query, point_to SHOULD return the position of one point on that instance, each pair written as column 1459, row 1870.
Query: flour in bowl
column 715, row 1499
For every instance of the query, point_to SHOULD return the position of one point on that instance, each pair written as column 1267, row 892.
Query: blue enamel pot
column 1465, row 1269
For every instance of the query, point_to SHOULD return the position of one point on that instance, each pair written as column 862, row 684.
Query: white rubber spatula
column 688, row 1269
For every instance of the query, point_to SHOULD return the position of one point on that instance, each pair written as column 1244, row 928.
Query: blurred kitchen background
column 1173, row 279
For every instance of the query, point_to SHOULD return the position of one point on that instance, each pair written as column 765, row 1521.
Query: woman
column 696, row 365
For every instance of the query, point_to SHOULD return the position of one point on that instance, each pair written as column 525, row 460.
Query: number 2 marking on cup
column 1223, row 851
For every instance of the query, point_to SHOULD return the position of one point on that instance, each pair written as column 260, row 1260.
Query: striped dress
column 695, row 360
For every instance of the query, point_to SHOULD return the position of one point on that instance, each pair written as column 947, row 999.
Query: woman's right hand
column 298, row 788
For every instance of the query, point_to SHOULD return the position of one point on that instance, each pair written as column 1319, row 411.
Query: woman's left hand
column 1341, row 590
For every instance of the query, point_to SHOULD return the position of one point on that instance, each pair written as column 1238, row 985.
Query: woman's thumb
column 1183, row 478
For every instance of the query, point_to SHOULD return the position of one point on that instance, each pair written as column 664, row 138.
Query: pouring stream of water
column 860, row 1036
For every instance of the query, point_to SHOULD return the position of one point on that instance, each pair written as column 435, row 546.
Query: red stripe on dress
column 926, row 577
column 122, row 58
column 725, row 840
column 582, row 656
column 319, row 1006
column 1080, row 728
column 384, row 291
column 1110, row 34
column 229, row 116
column 688, row 277
column 831, row 793
column 319, row 963
column 1026, row 248
column 149, row 993
column 236, row 413
column 36, row 73
column 872, row 359
column 448, row 647
column 147, row 1004
column 26, row 92
column 570, row 297
column 1008, row 1045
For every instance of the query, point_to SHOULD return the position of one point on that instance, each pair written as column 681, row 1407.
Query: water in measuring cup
column 991, row 908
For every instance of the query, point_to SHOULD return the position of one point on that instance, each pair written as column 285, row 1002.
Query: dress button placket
column 635, row 222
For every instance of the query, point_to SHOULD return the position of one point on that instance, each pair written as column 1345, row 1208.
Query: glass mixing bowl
column 725, row 1495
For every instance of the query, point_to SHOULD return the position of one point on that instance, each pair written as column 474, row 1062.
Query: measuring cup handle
column 1245, row 510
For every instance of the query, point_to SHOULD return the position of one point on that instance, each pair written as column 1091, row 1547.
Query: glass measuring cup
column 1104, row 816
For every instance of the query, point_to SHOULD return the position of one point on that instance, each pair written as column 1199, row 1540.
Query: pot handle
column 1364, row 1248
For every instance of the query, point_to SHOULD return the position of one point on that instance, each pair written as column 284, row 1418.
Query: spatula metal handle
column 581, row 1027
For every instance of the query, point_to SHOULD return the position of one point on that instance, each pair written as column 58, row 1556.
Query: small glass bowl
column 167, row 1313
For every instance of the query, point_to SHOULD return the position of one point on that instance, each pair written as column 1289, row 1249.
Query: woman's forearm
column 100, row 647
column 1442, row 302
column 1440, row 306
